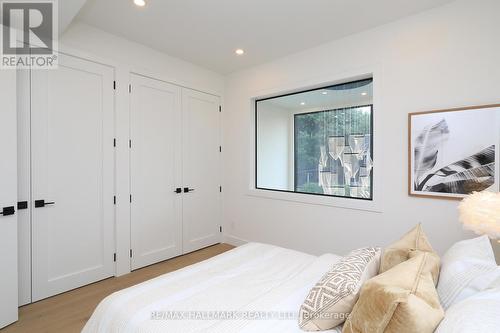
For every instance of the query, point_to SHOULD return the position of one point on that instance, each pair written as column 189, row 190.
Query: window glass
column 317, row 142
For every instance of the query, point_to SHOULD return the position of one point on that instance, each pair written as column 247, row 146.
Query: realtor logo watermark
column 29, row 34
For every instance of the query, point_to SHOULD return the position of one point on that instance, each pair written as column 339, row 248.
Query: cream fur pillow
column 402, row 299
column 413, row 242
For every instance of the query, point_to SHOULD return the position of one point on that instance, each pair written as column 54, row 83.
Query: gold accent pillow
column 402, row 299
column 331, row 300
column 412, row 243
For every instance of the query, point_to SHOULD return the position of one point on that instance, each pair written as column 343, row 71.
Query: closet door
column 23, row 185
column 156, row 222
column 72, row 176
column 8, row 198
column 201, row 170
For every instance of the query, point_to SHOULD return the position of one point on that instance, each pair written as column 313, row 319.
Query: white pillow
column 467, row 268
column 477, row 314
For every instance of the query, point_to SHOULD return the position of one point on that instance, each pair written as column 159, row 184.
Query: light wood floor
column 68, row 312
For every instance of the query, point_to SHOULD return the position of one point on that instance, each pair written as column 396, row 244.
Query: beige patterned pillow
column 331, row 300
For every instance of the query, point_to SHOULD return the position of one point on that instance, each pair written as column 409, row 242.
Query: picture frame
column 454, row 152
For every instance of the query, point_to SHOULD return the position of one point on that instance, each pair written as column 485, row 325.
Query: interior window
column 317, row 141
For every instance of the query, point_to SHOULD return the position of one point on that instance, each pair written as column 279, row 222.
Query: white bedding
column 251, row 284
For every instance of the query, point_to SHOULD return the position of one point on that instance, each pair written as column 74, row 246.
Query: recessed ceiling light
column 364, row 93
column 239, row 52
column 140, row 3
column 302, row 103
column 324, row 92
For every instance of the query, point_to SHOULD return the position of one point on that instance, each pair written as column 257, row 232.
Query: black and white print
column 454, row 152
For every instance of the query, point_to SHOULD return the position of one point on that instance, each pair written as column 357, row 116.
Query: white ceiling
column 324, row 99
column 67, row 12
column 207, row 32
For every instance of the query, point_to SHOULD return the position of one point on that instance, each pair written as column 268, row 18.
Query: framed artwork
column 454, row 152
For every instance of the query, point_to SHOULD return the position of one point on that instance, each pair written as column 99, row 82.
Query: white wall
column 274, row 149
column 141, row 58
column 446, row 57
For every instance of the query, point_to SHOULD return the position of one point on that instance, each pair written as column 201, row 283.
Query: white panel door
column 156, row 222
column 23, row 185
column 73, row 171
column 201, row 170
column 8, row 198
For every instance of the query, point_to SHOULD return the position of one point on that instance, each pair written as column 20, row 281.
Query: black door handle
column 6, row 211
column 178, row 190
column 42, row 203
column 187, row 189
column 22, row 205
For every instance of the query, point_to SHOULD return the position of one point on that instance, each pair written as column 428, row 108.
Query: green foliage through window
column 312, row 133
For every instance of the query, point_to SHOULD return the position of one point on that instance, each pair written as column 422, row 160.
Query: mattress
column 253, row 288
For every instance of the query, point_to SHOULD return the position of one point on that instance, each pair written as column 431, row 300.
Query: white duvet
column 253, row 288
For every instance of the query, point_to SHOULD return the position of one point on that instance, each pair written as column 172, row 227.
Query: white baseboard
column 233, row 240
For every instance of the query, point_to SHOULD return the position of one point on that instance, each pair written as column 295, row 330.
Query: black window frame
column 294, row 142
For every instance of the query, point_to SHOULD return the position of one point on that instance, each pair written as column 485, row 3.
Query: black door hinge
column 129, row 88
column 114, row 85
column 114, row 142
column 130, row 253
column 220, row 149
column 220, row 229
column 220, row 108
column 220, row 189
column 114, row 199
column 130, row 143
column 114, row 257
column 130, row 198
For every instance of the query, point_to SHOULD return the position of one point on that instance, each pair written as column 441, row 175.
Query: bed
column 253, row 288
